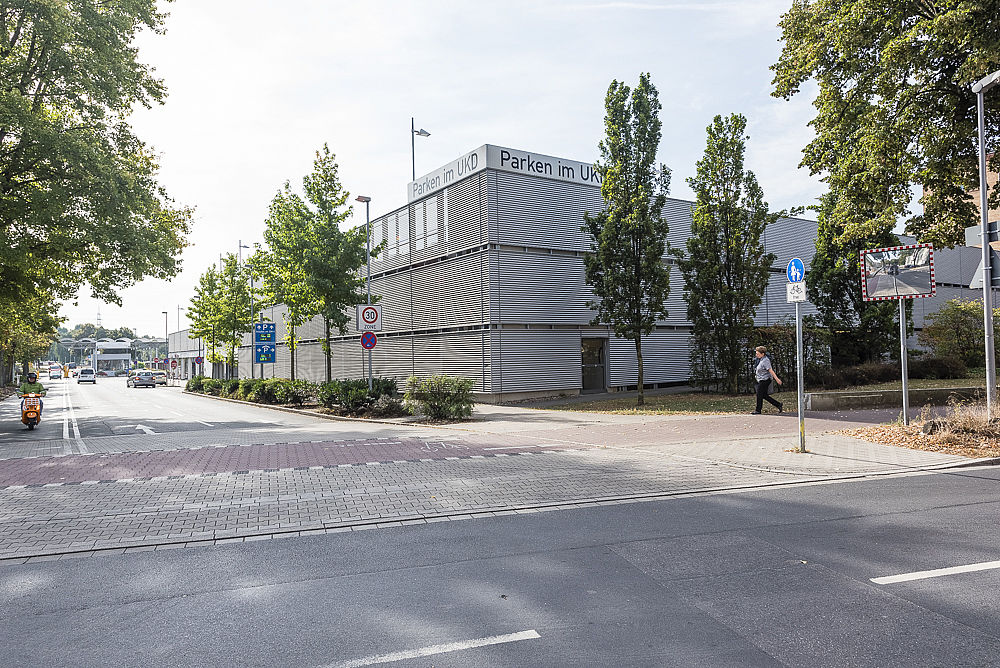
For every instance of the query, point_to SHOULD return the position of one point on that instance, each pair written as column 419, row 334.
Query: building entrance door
column 593, row 358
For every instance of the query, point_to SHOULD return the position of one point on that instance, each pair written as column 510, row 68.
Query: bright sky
column 256, row 87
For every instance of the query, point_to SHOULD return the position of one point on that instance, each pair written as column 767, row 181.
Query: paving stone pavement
column 141, row 492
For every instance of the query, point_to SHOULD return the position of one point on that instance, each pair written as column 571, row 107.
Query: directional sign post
column 263, row 344
column 796, row 293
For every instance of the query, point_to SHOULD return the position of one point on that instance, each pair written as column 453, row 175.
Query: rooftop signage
column 489, row 156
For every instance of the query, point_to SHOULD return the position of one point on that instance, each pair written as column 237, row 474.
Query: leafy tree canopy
column 895, row 109
column 79, row 200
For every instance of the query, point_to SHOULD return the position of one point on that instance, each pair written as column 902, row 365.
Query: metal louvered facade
column 483, row 277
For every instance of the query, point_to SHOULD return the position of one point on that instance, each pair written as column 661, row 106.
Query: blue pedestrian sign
column 796, row 271
column 263, row 353
column 263, row 332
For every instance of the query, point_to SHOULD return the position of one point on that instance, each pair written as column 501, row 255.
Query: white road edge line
column 937, row 572
column 76, row 427
column 207, row 424
column 65, row 413
column 437, row 649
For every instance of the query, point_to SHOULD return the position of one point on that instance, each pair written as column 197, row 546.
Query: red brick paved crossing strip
column 228, row 459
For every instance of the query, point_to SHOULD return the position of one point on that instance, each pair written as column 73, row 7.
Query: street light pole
column 413, row 148
column 980, row 88
column 240, row 266
column 368, row 274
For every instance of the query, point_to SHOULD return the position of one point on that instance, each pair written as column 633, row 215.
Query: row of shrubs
column 437, row 397
column 878, row 372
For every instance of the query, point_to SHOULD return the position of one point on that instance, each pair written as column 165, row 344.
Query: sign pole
column 903, row 360
column 801, row 376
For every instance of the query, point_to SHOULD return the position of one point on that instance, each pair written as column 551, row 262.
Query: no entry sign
column 368, row 340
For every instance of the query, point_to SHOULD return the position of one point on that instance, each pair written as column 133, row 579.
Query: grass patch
column 686, row 403
column 694, row 403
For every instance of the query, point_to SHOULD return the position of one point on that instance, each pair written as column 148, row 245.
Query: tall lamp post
column 980, row 88
column 413, row 148
column 166, row 342
column 368, row 274
column 239, row 266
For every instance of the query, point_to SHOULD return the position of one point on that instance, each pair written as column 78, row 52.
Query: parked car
column 143, row 378
column 86, row 375
column 102, row 374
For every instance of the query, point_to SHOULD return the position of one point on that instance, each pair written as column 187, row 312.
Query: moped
column 31, row 409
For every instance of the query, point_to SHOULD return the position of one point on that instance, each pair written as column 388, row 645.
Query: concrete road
column 777, row 577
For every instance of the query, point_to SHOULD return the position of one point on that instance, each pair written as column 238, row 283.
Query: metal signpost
column 900, row 273
column 263, row 344
column 795, row 272
column 368, row 320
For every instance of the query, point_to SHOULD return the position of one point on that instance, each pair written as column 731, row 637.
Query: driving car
column 86, row 375
column 55, row 372
column 160, row 376
column 143, row 378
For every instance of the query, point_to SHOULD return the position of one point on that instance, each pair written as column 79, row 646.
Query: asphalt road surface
column 780, row 577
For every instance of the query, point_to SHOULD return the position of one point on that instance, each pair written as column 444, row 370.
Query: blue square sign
column 263, row 353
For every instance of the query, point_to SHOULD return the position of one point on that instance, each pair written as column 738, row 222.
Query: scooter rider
column 32, row 386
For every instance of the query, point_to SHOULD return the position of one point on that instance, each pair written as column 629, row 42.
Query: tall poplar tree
column 625, row 267
column 725, row 267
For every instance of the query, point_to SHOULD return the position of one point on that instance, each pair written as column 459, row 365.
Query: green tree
column 860, row 331
column 895, row 109
column 282, row 265
column 725, row 267
column 625, row 265
column 333, row 257
column 234, row 310
column 79, row 200
column 956, row 330
column 27, row 330
column 206, row 313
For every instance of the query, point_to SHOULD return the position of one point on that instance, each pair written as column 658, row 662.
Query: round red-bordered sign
column 369, row 315
column 368, row 340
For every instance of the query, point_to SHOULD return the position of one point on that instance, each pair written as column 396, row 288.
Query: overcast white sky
column 256, row 87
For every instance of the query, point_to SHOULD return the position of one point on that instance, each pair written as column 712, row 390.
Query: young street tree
column 895, row 108
column 79, row 200
column 725, row 267
column 206, row 313
column 625, row 265
column 333, row 257
column 282, row 265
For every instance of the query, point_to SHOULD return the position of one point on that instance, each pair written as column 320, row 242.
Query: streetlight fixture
column 413, row 149
column 980, row 88
column 238, row 267
column 166, row 342
column 368, row 274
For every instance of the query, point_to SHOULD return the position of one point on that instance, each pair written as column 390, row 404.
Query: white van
column 86, row 375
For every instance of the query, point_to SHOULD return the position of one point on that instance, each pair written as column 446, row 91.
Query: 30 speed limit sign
column 369, row 318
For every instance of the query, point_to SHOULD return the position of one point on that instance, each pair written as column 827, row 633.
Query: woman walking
column 764, row 374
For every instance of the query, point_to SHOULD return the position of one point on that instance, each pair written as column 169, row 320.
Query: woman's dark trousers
column 762, row 387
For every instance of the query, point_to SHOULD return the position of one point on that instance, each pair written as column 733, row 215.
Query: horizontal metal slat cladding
column 449, row 293
column 665, row 355
column 532, row 211
column 543, row 289
column 454, row 354
column 535, row 359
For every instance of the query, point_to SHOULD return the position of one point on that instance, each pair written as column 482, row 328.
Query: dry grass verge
column 964, row 430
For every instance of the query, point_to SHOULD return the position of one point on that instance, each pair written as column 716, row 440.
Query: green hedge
column 258, row 390
column 440, row 397
column 351, row 396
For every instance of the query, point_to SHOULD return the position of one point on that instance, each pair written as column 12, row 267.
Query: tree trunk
column 638, row 358
column 291, row 350
column 326, row 349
